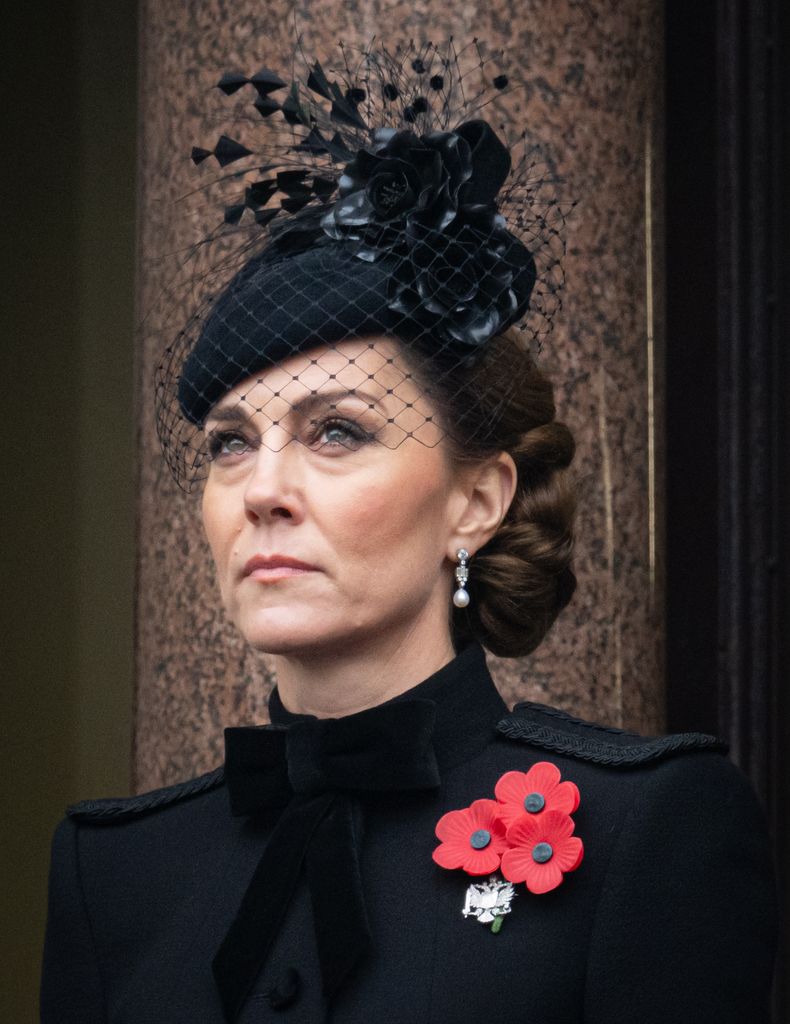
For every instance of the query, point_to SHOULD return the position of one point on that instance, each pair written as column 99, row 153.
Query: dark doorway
column 728, row 386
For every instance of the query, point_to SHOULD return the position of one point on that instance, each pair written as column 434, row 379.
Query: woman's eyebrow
column 332, row 397
column 304, row 406
column 232, row 414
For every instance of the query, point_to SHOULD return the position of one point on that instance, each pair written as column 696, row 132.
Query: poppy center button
column 542, row 852
column 480, row 839
column 534, row 802
column 286, row 991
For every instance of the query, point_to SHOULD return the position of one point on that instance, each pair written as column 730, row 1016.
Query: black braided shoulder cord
column 112, row 809
column 551, row 712
column 591, row 748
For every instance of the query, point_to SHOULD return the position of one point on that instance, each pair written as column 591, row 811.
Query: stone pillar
column 594, row 85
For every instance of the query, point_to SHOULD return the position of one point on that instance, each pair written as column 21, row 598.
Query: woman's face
column 331, row 504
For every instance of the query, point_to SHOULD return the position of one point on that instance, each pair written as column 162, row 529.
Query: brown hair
column 521, row 579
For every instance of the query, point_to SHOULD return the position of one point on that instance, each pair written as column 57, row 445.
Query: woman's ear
column 489, row 488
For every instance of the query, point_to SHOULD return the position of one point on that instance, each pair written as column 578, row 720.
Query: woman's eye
column 336, row 433
column 223, row 444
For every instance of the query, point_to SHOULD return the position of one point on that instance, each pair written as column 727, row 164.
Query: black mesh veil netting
column 380, row 231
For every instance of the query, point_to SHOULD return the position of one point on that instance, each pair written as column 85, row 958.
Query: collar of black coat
column 405, row 743
column 387, row 748
column 466, row 703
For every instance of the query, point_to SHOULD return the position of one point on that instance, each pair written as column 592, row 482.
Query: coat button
column 286, row 991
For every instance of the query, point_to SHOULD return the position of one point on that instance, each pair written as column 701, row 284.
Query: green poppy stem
column 496, row 924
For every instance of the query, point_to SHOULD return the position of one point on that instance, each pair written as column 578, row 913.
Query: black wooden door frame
column 728, row 392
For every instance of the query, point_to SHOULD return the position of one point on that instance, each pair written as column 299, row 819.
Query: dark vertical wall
column 68, row 446
column 728, row 378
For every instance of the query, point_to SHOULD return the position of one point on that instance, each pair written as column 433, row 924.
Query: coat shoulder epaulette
column 551, row 729
column 110, row 810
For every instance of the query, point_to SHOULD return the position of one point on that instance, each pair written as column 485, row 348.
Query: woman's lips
column 270, row 569
column 276, row 573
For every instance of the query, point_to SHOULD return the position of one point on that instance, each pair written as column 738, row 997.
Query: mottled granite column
column 594, row 88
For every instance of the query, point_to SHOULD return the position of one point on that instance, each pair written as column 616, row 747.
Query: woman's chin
column 276, row 632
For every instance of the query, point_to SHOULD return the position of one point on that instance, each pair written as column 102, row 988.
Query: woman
column 385, row 495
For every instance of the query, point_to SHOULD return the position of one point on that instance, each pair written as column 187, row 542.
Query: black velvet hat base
column 276, row 308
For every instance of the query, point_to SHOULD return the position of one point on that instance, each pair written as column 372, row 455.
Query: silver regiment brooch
column 489, row 901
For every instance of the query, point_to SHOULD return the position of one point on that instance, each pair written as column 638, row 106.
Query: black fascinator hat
column 380, row 202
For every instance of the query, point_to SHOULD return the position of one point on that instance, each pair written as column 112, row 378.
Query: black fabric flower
column 402, row 178
column 465, row 283
column 429, row 202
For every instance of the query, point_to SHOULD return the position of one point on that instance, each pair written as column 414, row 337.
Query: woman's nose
column 273, row 488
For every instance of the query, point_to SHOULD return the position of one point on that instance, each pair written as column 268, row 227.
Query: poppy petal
column 510, row 813
column 555, row 826
column 449, row 856
column 569, row 855
column 511, row 788
column 453, row 825
column 516, row 863
column 565, row 797
column 483, row 812
column 542, row 777
column 482, row 862
column 543, row 877
column 525, row 831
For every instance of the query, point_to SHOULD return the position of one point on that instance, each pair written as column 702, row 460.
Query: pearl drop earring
column 461, row 596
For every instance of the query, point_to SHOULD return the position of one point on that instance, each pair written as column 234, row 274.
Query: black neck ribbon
column 309, row 773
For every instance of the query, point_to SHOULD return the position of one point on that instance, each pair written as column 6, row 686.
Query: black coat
column 669, row 918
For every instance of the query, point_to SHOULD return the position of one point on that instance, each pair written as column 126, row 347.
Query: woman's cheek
column 222, row 531
column 385, row 516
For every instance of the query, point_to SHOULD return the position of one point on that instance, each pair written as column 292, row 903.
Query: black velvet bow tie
column 309, row 772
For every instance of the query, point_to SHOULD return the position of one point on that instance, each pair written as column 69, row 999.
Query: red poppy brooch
column 526, row 833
